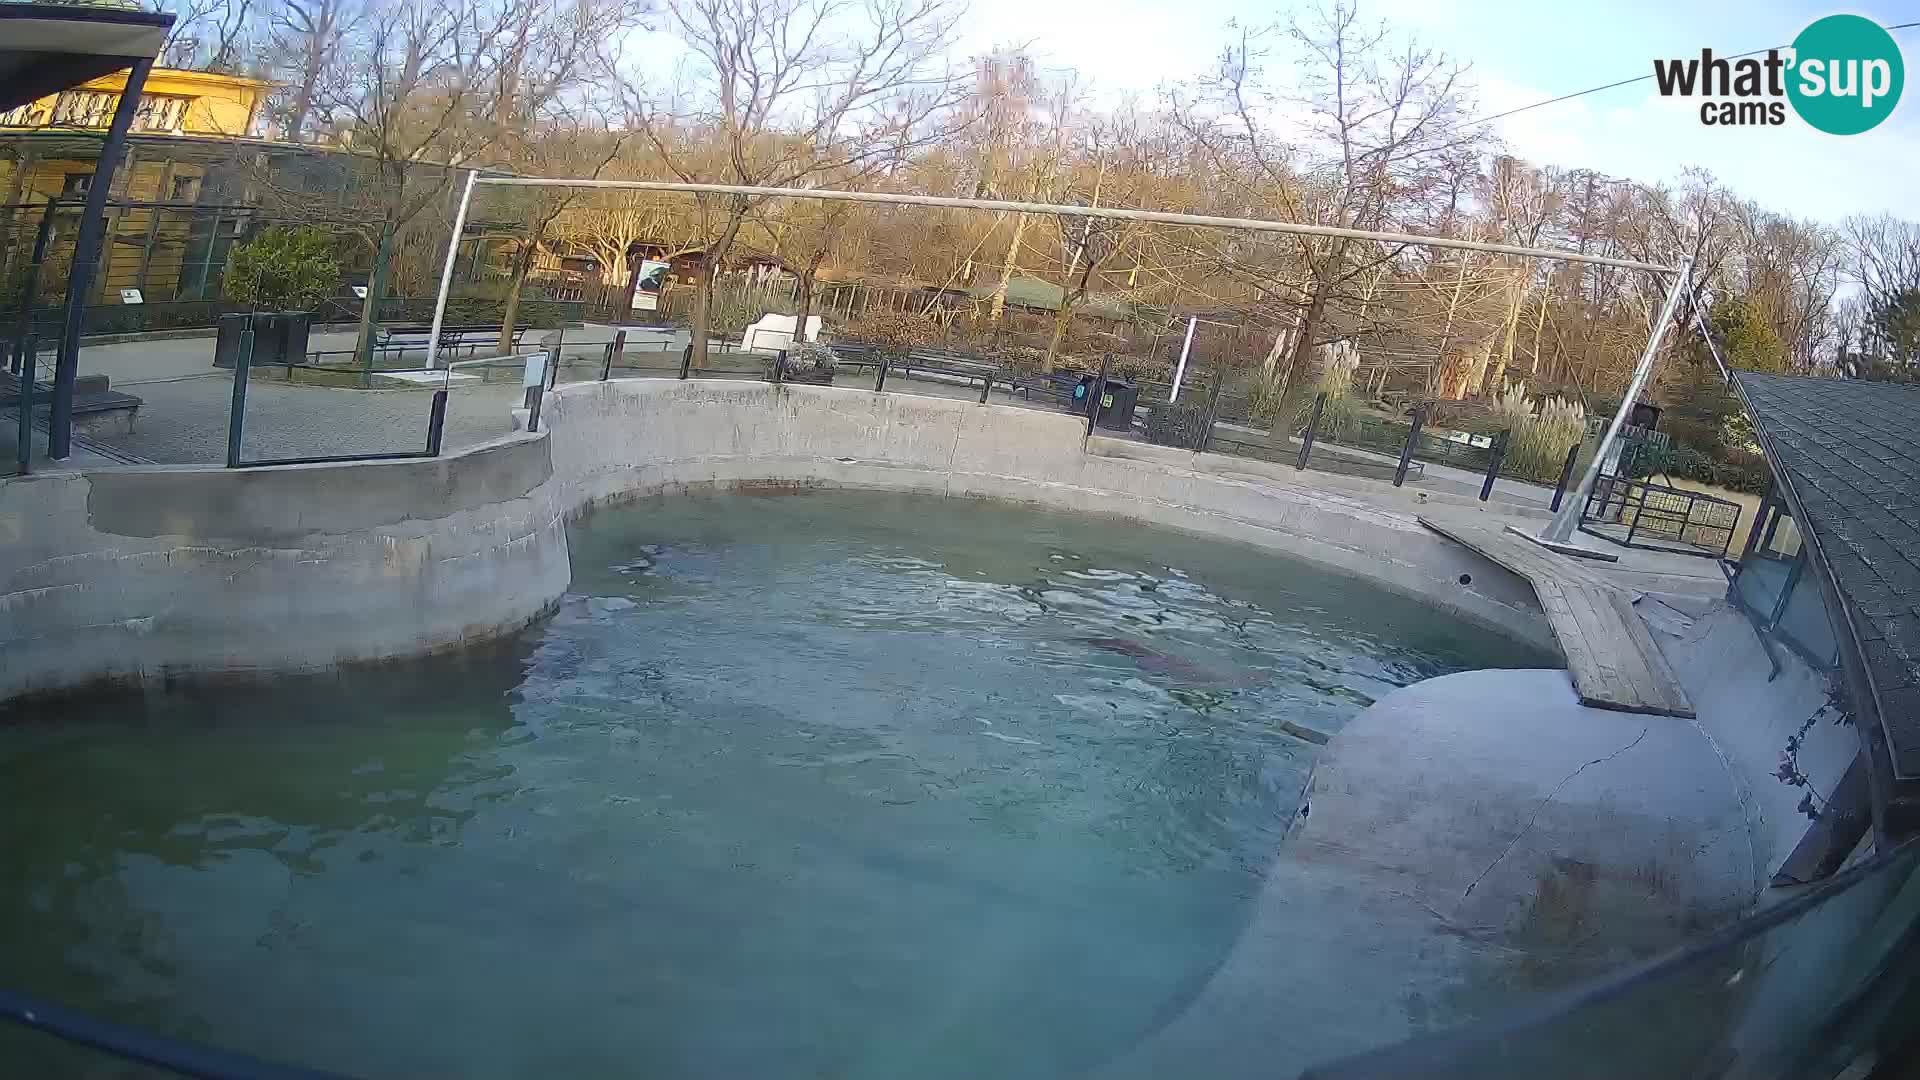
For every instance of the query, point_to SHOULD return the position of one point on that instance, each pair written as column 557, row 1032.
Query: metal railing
column 1655, row 517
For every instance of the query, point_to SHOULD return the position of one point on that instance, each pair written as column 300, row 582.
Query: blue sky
column 1521, row 52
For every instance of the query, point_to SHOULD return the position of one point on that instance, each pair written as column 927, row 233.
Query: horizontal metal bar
column 334, row 459
column 145, row 1047
column 1160, row 217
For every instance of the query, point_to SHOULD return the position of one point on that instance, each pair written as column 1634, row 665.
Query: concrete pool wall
column 153, row 571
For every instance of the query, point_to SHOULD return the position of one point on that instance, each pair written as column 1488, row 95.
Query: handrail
column 146, row 1047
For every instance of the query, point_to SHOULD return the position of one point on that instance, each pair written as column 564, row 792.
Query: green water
column 835, row 785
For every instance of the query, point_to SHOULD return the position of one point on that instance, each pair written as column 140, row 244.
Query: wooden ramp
column 1611, row 656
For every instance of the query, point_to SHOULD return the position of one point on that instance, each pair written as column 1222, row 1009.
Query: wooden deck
column 1612, row 658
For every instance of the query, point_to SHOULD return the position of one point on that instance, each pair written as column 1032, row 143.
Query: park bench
column 470, row 336
column 97, row 410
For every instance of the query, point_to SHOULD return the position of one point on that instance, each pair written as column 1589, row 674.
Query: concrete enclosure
column 159, row 571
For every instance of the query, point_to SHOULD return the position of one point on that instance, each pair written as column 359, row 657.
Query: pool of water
column 839, row 784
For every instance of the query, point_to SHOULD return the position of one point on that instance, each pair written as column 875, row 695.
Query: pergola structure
column 1559, row 532
column 46, row 48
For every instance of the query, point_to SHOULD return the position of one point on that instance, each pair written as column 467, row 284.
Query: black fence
column 1655, row 517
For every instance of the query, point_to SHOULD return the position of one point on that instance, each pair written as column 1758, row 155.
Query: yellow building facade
column 189, row 123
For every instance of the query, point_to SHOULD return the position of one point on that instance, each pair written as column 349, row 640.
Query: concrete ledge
column 633, row 437
column 152, row 571
column 147, row 571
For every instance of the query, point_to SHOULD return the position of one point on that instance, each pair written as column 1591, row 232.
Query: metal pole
column 779, row 367
column 30, row 291
column 1419, row 414
column 237, row 409
column 686, row 360
column 1313, row 428
column 446, row 271
column 1099, row 390
column 1180, row 368
column 1566, row 474
column 880, row 383
column 86, row 253
column 30, row 369
column 436, row 422
column 1213, row 410
column 1560, row 529
column 1113, row 212
column 1495, row 454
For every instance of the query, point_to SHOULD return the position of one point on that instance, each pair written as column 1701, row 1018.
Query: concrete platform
column 1611, row 656
column 1467, row 843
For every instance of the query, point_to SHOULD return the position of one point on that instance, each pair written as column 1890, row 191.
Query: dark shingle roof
column 1852, row 452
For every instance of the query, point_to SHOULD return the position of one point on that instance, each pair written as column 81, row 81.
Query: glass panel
column 1807, row 996
column 1804, row 623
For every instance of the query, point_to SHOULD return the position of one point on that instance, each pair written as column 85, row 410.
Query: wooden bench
column 471, row 336
column 97, row 409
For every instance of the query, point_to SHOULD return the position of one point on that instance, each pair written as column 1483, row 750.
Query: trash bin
column 1117, row 403
column 295, row 328
column 1082, row 392
column 226, row 345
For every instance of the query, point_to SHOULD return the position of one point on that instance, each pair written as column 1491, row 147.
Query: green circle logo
column 1846, row 74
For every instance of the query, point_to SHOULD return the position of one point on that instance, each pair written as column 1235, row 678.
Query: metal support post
column 1313, row 428
column 446, row 269
column 1566, row 474
column 1496, row 454
column 1419, row 415
column 1560, row 529
column 436, row 422
column 237, row 408
column 30, row 370
column 86, row 256
column 30, row 290
column 880, row 383
column 1099, row 390
column 1180, row 369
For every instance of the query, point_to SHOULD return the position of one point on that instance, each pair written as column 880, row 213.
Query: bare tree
column 208, row 35
column 1379, row 116
column 800, row 89
column 304, row 39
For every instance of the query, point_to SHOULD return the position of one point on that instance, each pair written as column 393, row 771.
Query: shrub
column 895, row 332
column 1539, row 433
column 283, row 268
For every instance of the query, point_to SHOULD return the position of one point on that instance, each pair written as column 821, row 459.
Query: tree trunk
column 1494, row 380
column 376, row 284
column 1297, row 358
column 1061, row 318
column 522, row 266
column 703, row 290
column 805, row 288
column 1539, row 324
column 999, row 303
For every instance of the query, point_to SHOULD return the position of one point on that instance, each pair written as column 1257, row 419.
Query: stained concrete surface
column 1466, row 844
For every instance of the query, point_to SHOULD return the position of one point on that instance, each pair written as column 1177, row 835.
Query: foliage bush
column 810, row 361
column 281, row 269
column 738, row 304
column 1540, row 432
column 895, row 332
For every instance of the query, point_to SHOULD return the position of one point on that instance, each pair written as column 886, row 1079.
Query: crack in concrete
column 1557, row 788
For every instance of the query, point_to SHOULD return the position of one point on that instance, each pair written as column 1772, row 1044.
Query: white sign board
column 360, row 291
column 131, row 296
column 646, row 291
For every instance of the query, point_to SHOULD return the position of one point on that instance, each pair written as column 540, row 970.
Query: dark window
column 184, row 189
column 76, row 183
